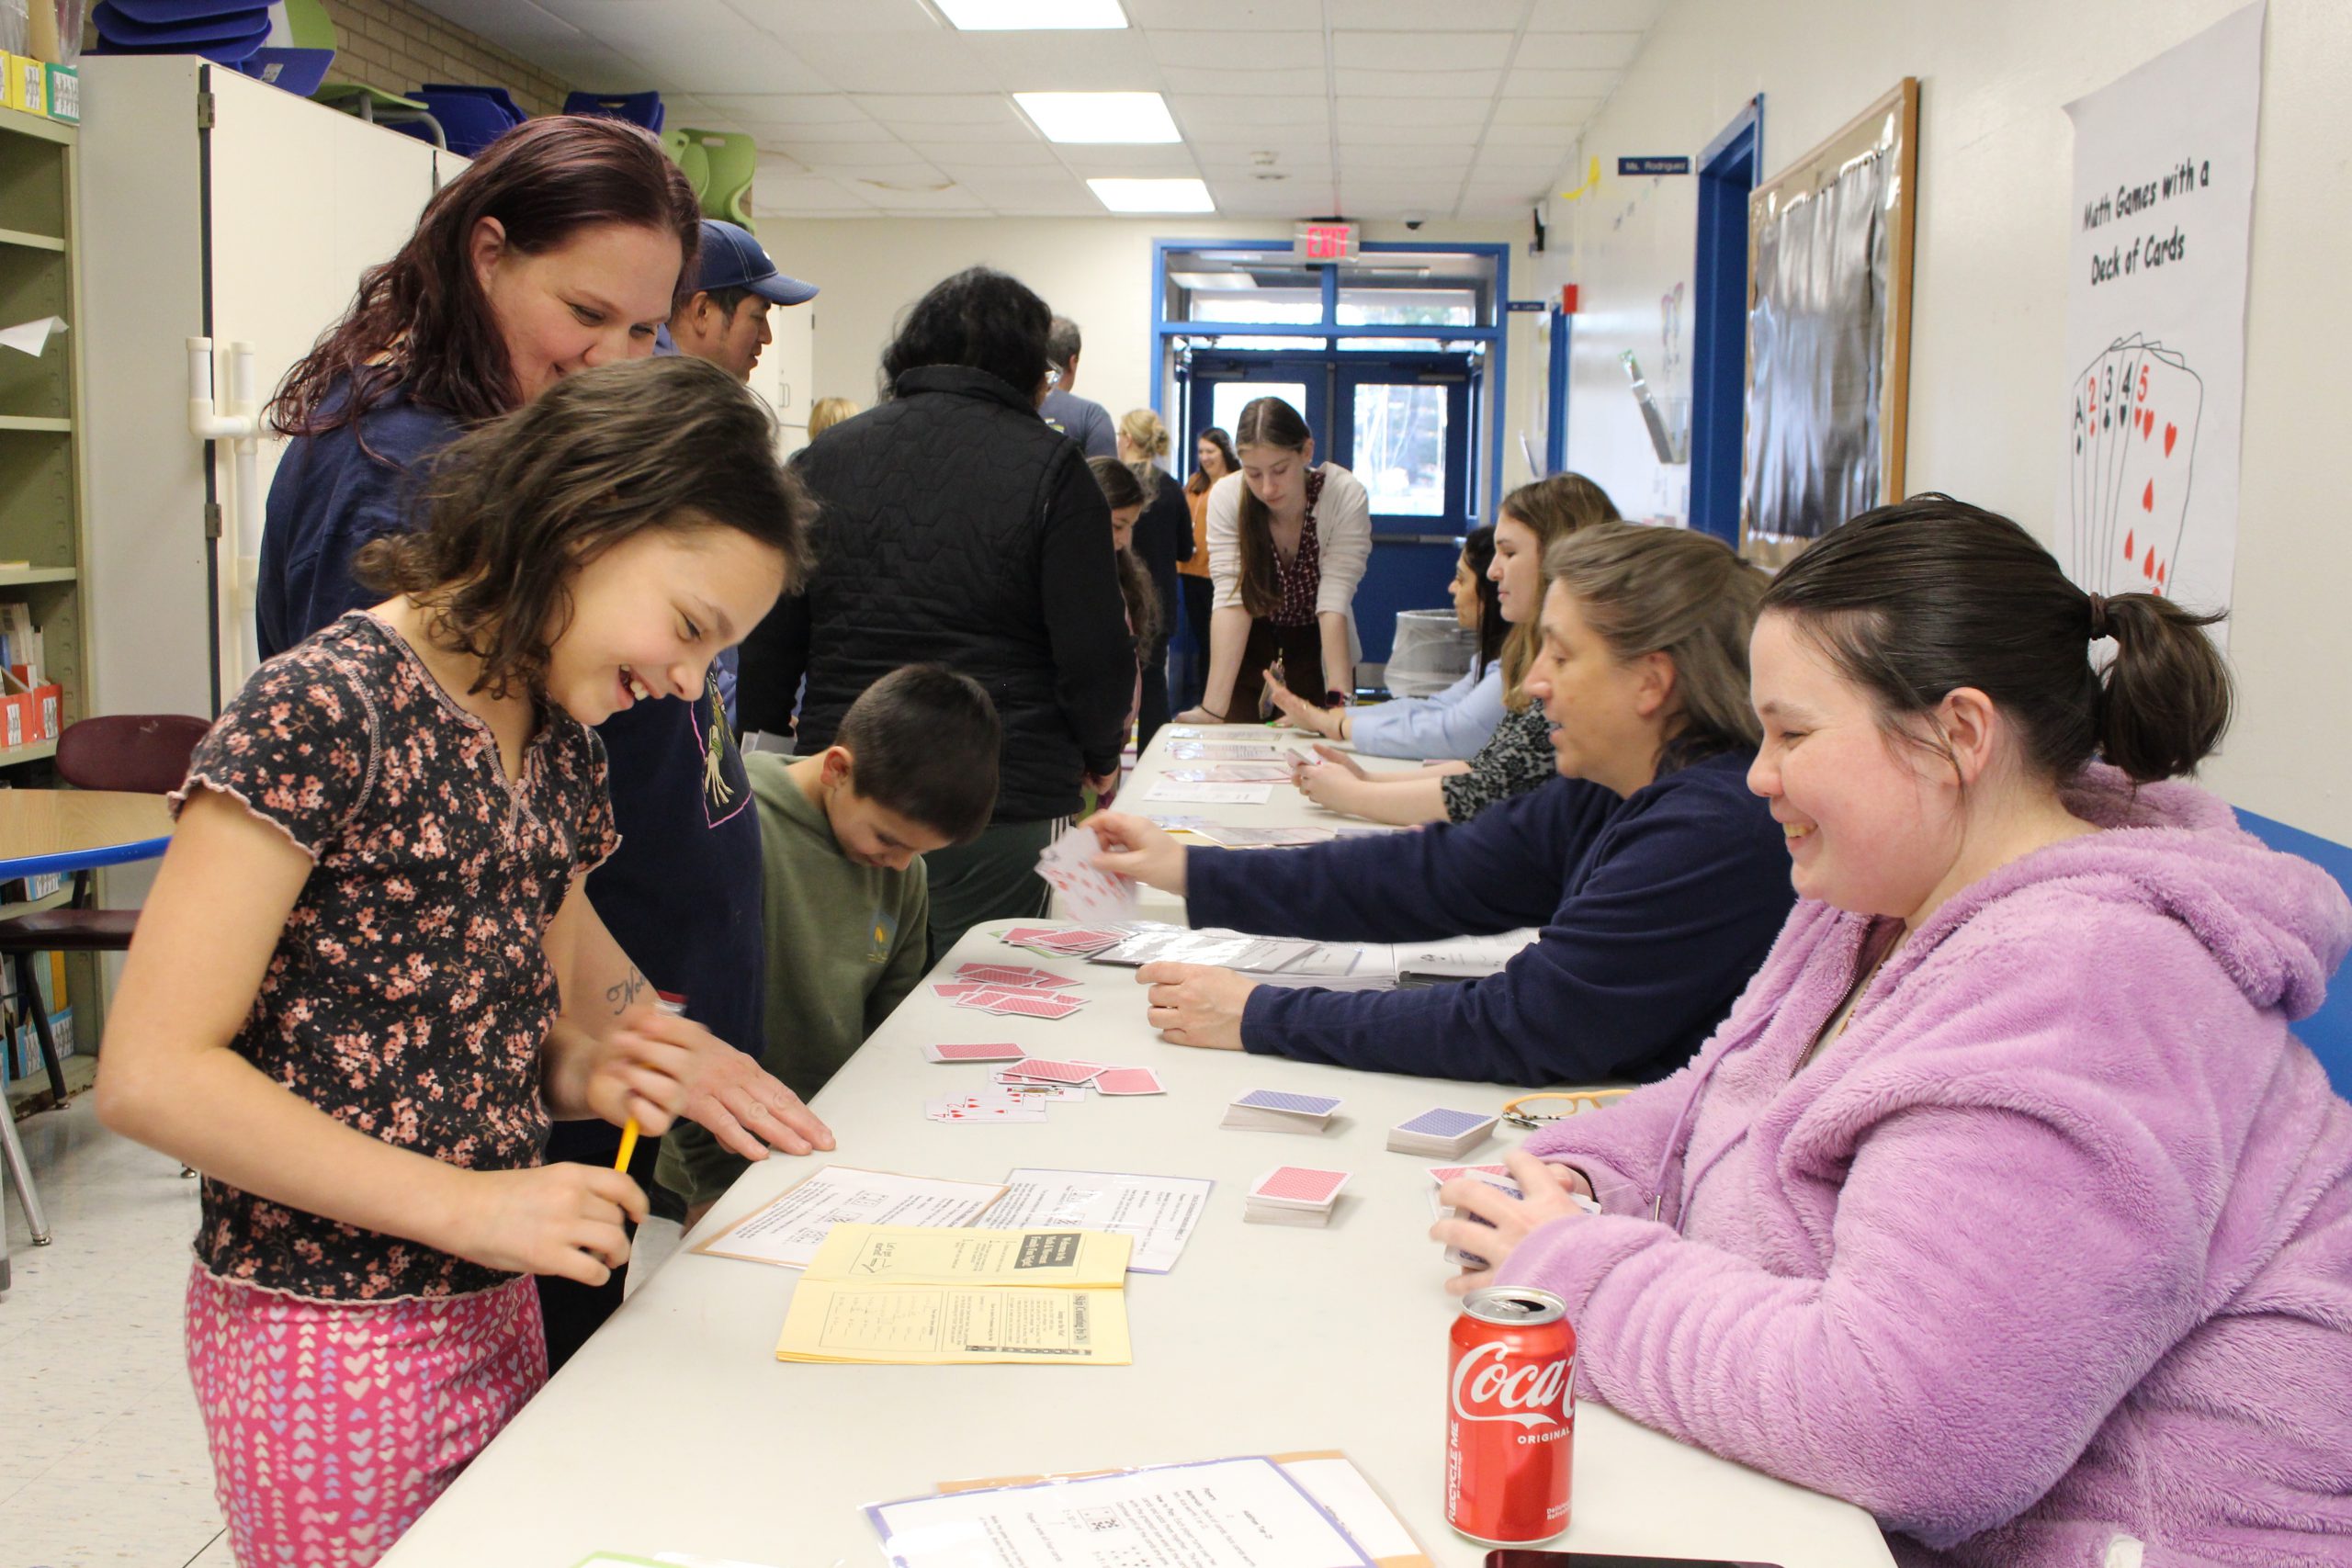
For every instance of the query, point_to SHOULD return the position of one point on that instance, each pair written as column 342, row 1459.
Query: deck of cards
column 1278, row 1110
column 1294, row 1195
column 1065, row 941
column 1494, row 1176
column 1440, row 1134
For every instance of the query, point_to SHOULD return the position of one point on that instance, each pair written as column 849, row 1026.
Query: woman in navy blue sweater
column 1659, row 881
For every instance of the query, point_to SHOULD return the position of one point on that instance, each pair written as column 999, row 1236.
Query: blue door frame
column 1728, row 172
column 1413, row 556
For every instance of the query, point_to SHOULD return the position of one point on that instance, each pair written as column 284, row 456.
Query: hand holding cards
column 1090, row 894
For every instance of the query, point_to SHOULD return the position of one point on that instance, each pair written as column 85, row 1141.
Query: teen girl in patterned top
column 367, row 978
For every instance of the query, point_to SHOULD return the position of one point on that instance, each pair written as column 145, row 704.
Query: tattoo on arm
column 622, row 997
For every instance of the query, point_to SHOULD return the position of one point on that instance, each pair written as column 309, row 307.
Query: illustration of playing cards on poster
column 2156, row 321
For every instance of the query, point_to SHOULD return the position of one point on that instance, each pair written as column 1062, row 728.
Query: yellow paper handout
column 904, row 1295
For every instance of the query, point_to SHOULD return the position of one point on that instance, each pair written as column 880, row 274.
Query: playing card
column 1282, row 1100
column 1442, row 1174
column 973, row 1053
column 1025, row 1004
column 1442, row 1124
column 2156, row 472
column 2117, row 427
column 1088, row 892
column 1020, row 975
column 1033, row 1089
column 995, row 1105
column 1128, row 1080
column 959, row 990
column 1024, row 936
column 1299, row 1184
column 1046, row 1071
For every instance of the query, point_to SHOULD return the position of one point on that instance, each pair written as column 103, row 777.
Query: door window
column 1400, row 447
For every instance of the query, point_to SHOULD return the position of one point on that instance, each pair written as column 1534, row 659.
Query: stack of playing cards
column 1065, row 941
column 1277, row 1110
column 1440, row 1134
column 1294, row 1195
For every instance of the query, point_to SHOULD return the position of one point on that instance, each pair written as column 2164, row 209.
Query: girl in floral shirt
column 367, row 978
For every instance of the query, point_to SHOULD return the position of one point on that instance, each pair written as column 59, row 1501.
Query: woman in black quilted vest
column 954, row 525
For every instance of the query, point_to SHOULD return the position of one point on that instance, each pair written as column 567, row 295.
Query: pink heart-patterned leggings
column 333, row 1426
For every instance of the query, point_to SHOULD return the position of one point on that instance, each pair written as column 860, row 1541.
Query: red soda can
column 1511, row 1416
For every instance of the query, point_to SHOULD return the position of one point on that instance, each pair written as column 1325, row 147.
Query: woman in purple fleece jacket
column 2004, row 1203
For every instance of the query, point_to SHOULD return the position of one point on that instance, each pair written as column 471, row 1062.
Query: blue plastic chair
column 2329, row 1031
column 170, row 13
column 638, row 108
column 224, row 38
column 499, row 95
column 471, row 121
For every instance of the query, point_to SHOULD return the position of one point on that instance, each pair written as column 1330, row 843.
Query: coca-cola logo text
column 1529, row 1395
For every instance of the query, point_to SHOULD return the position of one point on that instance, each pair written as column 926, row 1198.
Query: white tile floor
column 104, row 1456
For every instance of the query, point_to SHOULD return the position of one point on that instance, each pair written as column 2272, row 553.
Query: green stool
column 692, row 161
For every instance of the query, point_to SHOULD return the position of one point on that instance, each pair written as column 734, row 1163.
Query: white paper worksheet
column 789, row 1230
column 1236, row 1512
column 1158, row 1211
column 1210, row 794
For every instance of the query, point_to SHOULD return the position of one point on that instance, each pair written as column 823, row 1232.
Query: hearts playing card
column 2156, row 473
column 1088, row 892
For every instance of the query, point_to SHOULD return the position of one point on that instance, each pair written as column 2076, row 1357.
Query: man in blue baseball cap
column 725, row 319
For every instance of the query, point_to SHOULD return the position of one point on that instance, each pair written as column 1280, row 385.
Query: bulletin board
column 1829, row 246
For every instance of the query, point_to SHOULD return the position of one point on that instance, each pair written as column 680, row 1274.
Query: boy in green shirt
column 913, row 768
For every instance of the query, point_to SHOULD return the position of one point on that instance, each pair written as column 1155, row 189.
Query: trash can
column 1432, row 651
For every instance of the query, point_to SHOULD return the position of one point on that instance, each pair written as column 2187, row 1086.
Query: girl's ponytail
column 2164, row 699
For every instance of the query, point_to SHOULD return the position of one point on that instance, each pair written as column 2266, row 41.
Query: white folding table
column 676, row 1430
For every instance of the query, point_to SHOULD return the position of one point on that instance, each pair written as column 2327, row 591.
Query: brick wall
column 394, row 45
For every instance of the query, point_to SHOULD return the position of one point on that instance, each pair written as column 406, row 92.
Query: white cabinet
column 786, row 369
column 254, row 227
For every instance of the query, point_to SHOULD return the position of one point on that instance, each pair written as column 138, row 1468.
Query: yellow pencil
column 628, row 1144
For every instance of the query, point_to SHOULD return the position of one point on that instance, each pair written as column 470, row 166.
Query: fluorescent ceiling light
column 1098, row 116
column 1152, row 196
column 1031, row 16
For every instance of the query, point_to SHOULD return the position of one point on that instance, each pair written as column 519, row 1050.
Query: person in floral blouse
column 368, row 980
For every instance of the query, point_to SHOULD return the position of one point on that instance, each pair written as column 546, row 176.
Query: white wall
column 1096, row 271
column 1990, row 287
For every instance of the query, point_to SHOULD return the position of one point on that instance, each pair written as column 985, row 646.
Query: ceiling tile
column 1479, row 85
column 698, row 44
column 1123, row 162
column 1085, row 61
column 1432, row 114
column 1594, row 15
column 887, row 152
column 511, row 24
column 923, row 204
column 1227, row 16
column 1411, row 15
column 1515, row 163
column 1564, row 112
column 1560, row 84
column 1199, row 112
column 904, row 111
column 901, row 63
column 789, row 19
column 1184, row 46
column 1422, row 50
column 1286, row 202
column 1576, row 51
column 1299, row 80
column 1360, row 158
column 1503, row 133
column 800, row 138
column 804, row 193
column 956, row 156
column 790, row 109
column 1454, row 143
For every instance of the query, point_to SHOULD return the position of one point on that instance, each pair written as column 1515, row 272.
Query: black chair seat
column 69, row 930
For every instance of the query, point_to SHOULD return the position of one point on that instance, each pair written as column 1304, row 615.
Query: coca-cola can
column 1511, row 1416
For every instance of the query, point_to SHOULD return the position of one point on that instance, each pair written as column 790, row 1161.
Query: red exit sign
column 1324, row 242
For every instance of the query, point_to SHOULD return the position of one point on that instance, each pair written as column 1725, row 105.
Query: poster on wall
column 2155, row 319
